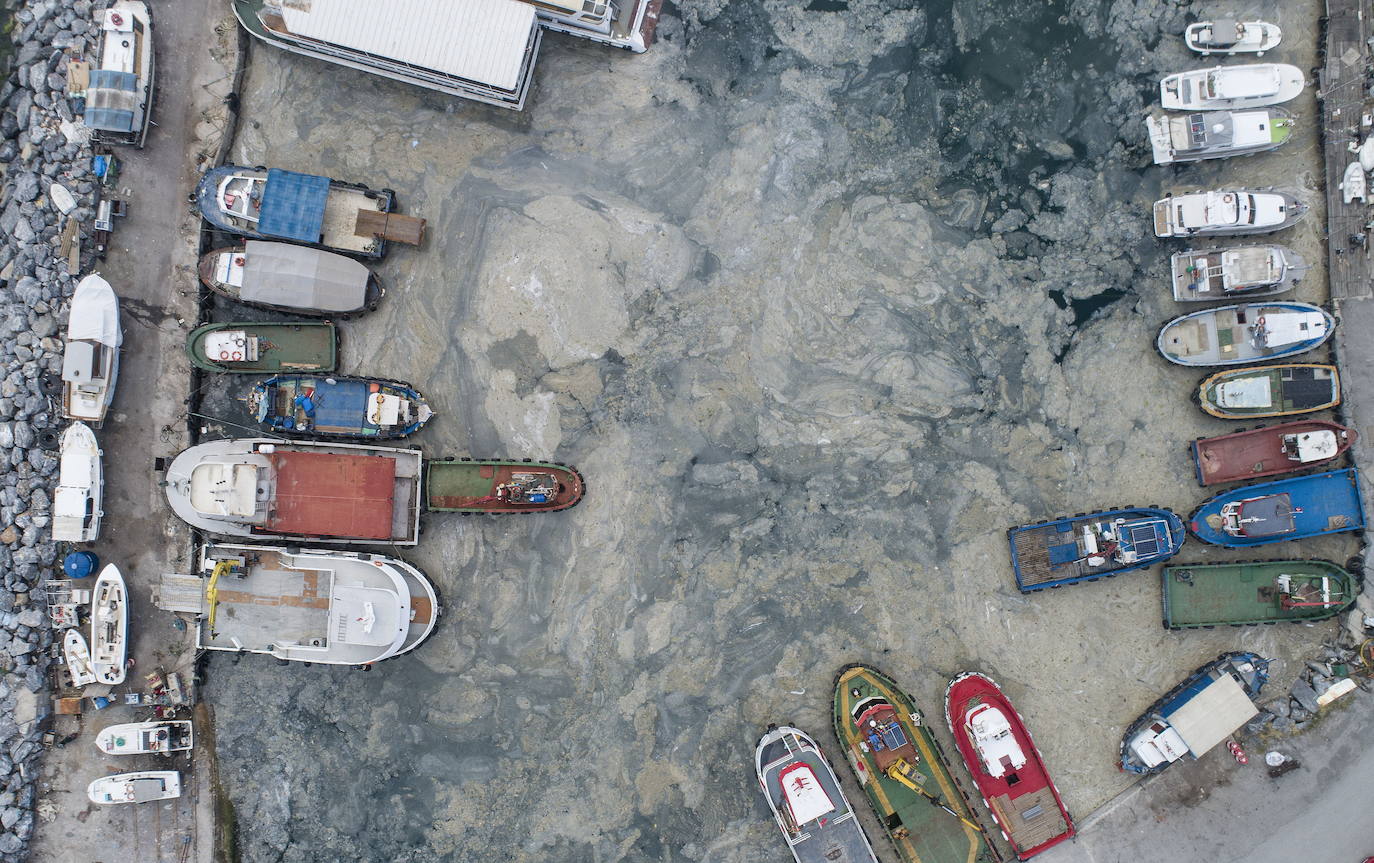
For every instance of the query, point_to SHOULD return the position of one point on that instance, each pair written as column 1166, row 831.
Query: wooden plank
column 390, row 226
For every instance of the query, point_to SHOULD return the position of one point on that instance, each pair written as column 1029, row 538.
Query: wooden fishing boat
column 1243, row 333
column 338, row 407
column 1281, row 390
column 76, row 502
column 119, row 89
column 90, row 362
column 901, row 768
column 1200, row 595
column 1293, row 508
column 1235, row 272
column 144, row 786
column 163, row 737
column 806, row 799
column 1005, row 765
column 1269, row 450
column 1089, row 546
column 250, row 347
column 501, row 486
column 295, row 280
column 78, row 658
column 109, row 626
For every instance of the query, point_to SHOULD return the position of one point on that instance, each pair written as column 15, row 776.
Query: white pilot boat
column 78, row 659
column 119, row 95
column 145, row 786
column 146, row 738
column 1229, row 36
column 1228, row 87
column 1226, row 212
column 76, row 503
column 90, row 362
column 109, row 626
column 806, row 800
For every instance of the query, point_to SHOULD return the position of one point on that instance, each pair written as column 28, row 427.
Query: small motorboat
column 144, row 786
column 146, row 738
column 1198, row 595
column 296, row 280
column 338, row 407
column 119, row 91
column 1007, row 768
column 1238, row 272
column 90, row 362
column 501, row 486
column 109, row 626
column 1229, row 36
column 248, row 347
column 1280, row 510
column 1217, row 134
column 1086, row 547
column 1353, row 184
column 1269, row 450
column 1226, row 212
column 1244, row 333
column 78, row 659
column 1281, row 390
column 1227, row 87
column 76, row 503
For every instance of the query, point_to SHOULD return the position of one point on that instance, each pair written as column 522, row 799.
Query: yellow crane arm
column 212, row 589
column 900, row 771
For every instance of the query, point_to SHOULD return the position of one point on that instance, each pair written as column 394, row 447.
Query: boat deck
column 1247, row 593
column 1253, row 454
column 472, row 486
column 271, row 604
column 1032, row 819
column 1049, row 555
column 1285, row 509
column 341, row 210
column 835, row 838
column 332, row 494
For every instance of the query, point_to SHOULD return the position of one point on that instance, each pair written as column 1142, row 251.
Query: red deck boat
column 1006, row 766
column 1269, row 450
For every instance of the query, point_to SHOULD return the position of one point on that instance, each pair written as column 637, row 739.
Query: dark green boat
column 247, row 347
column 905, row 775
column 501, row 486
column 1251, row 592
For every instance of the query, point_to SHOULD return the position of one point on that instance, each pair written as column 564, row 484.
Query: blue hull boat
column 335, row 406
column 1285, row 509
column 1086, row 547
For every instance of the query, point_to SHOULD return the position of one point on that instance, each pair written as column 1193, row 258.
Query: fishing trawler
column 1224, row 87
column 1090, row 546
column 109, row 626
column 1269, row 450
column 1243, row 333
column 1230, row 37
column 1280, row 390
column 90, row 362
column 249, row 347
column 1202, row 595
column 1005, row 765
column 806, row 800
column 80, row 482
column 268, row 488
column 1217, row 134
column 331, row 607
column 501, row 486
column 144, row 786
column 296, row 280
column 898, row 763
column 1226, row 212
column 1280, row 510
column 162, row 737
column 1238, row 272
column 119, row 92
column 338, row 406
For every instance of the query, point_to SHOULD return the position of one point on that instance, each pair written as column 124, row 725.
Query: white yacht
column 1227, row 87
column 76, row 503
column 162, row 737
column 109, row 626
column 1217, row 134
column 1239, row 271
column 1226, row 212
column 78, row 658
column 90, row 362
column 1229, row 36
column 119, row 95
column 145, row 786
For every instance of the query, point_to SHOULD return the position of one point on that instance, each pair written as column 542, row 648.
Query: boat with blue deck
column 337, row 406
column 1285, row 509
column 1086, row 547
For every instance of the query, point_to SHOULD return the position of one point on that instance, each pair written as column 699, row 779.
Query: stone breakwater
column 41, row 144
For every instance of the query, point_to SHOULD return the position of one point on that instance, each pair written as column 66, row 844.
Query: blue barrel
column 80, row 564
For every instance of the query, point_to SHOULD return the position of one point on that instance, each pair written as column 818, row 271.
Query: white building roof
column 479, row 40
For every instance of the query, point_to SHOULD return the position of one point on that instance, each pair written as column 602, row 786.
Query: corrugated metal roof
column 480, row 40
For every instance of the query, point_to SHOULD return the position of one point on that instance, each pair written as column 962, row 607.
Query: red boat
column 1006, row 766
column 1269, row 450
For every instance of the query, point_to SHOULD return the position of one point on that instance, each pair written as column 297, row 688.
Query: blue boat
column 335, row 406
column 1285, row 509
column 274, row 204
column 1086, row 547
column 1244, row 333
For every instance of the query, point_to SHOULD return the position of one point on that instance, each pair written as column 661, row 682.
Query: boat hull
column 1168, row 224
column 339, row 407
column 1203, row 595
column 1195, row 279
column 146, row 738
column 109, row 626
column 1291, row 389
column 478, row 486
column 143, row 56
column 1157, row 130
column 1237, row 335
column 206, row 268
column 1260, row 452
column 78, row 659
column 297, row 346
column 1029, row 812
column 90, row 362
column 144, row 786
column 1184, row 91
column 80, row 489
column 1315, row 505
column 1256, row 38
column 1049, row 554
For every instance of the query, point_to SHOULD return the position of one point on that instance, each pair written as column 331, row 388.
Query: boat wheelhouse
column 1239, row 272
column 119, row 92
column 109, row 626
column 1280, row 390
column 161, row 737
column 1269, row 450
column 1244, row 333
column 1217, row 134
column 80, row 481
column 1226, row 212
column 806, row 800
column 338, row 406
column 1280, row 510
column 144, row 786
column 1230, row 37
column 501, row 486
column 1226, row 87
column 273, row 489
column 1198, row 595
column 296, row 280
column 250, row 347
column 1195, row 715
column 90, row 361
column 1090, row 546
column 1007, row 768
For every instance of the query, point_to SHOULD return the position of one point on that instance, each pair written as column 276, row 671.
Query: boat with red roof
column 1269, row 450
column 1006, row 766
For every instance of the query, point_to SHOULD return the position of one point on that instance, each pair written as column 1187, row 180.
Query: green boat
column 501, row 486
column 1251, row 592
column 247, row 347
column 899, row 764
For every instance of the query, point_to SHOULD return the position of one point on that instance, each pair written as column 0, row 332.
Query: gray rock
column 24, row 435
column 10, row 816
column 10, row 843
column 23, row 232
column 1305, row 696
column 57, row 82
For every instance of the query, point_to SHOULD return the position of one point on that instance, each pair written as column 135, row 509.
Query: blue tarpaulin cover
column 293, row 206
column 111, row 98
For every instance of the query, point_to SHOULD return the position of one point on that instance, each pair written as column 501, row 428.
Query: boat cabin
column 1270, row 515
column 1251, row 82
column 881, row 734
column 990, row 733
column 803, row 795
column 1221, row 33
column 85, row 366
column 240, row 196
column 1203, row 714
column 1220, row 130
column 228, row 489
column 1311, row 446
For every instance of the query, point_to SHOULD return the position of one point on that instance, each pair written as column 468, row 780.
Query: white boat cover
column 284, row 275
column 992, row 737
column 365, row 615
column 1245, row 393
column 806, row 799
column 1213, row 714
column 94, row 313
column 78, row 482
column 1289, row 328
column 1316, row 446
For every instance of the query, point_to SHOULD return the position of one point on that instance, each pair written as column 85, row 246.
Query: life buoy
column 238, row 355
column 239, row 261
column 116, row 19
column 240, row 341
column 1228, row 198
column 224, row 355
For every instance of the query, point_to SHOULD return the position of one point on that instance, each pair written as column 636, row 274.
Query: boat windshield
column 240, row 196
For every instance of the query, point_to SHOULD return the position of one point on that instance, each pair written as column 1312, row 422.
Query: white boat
column 1227, row 87
column 806, row 799
column 1217, row 134
column 109, row 626
column 145, row 786
column 119, row 96
column 76, row 503
column 332, row 607
column 1241, row 272
column 1229, row 36
column 90, row 363
column 78, row 658
column 1226, row 212
column 1353, row 184
column 144, row 738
